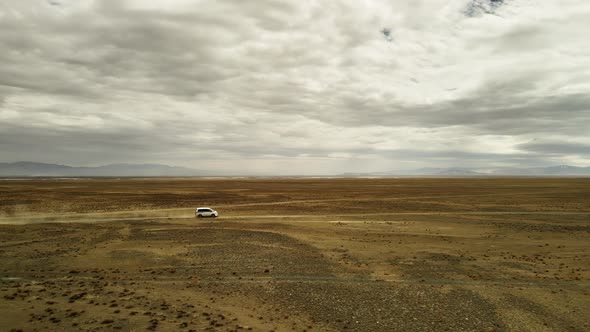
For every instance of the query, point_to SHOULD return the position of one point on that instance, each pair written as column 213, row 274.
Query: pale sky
column 296, row 87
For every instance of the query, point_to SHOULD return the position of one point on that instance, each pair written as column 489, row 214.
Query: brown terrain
column 295, row 255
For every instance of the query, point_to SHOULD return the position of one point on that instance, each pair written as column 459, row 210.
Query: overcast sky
column 296, row 87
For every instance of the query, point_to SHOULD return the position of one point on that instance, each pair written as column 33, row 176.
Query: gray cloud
column 557, row 147
column 275, row 85
column 477, row 8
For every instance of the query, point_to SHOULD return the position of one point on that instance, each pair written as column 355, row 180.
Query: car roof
column 204, row 207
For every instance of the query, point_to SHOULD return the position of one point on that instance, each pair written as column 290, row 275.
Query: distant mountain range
column 562, row 170
column 34, row 169
column 29, row 169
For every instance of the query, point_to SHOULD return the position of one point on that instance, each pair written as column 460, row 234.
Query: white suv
column 205, row 212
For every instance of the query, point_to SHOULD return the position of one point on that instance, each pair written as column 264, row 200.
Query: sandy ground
column 295, row 255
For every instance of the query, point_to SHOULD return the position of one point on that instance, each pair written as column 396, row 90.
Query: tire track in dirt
column 99, row 218
column 374, row 199
column 176, row 209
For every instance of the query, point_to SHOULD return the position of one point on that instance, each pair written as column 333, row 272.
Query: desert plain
column 454, row 254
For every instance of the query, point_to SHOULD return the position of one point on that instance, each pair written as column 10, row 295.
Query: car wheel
column 199, row 216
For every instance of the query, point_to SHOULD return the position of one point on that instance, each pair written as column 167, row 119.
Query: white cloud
column 302, row 86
